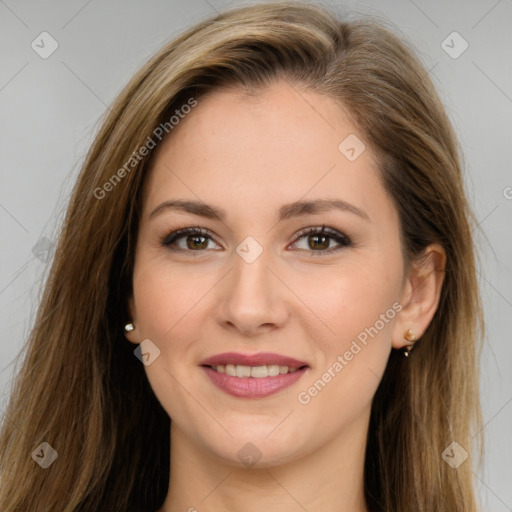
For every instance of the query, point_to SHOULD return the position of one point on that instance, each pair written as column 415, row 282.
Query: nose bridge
column 249, row 282
column 251, row 296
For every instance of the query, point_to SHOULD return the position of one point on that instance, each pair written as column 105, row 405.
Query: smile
column 253, row 381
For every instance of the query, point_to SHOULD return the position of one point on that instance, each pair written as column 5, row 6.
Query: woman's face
column 255, row 281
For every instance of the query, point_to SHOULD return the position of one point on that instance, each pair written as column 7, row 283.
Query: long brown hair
column 80, row 387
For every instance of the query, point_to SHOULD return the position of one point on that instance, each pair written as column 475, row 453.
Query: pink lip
column 250, row 387
column 261, row 359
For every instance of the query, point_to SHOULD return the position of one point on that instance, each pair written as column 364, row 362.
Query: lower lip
column 250, row 387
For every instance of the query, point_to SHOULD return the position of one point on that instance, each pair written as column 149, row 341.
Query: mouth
column 253, row 375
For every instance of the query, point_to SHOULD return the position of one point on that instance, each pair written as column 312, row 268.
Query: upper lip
column 261, row 359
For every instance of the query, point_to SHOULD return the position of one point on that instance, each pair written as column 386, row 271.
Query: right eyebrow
column 193, row 207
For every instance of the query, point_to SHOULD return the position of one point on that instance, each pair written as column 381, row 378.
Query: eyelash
column 335, row 235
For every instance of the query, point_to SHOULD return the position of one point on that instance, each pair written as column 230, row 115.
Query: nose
column 252, row 299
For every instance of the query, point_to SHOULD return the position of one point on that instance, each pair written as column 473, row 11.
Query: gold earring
column 409, row 336
column 129, row 327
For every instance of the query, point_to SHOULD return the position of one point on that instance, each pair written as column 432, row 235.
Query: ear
column 132, row 336
column 420, row 295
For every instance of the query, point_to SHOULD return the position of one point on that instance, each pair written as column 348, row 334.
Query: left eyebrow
column 319, row 206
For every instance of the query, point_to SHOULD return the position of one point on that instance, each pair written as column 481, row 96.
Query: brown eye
column 320, row 240
column 195, row 240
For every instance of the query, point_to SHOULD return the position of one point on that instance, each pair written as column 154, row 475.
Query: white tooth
column 243, row 371
column 231, row 370
column 273, row 370
column 260, row 371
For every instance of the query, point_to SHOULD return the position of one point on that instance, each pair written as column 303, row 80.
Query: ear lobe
column 421, row 294
column 131, row 334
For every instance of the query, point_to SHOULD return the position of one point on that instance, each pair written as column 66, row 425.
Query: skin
column 249, row 156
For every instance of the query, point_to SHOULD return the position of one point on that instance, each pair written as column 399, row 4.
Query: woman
column 264, row 292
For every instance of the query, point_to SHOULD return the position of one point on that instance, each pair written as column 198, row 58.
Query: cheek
column 164, row 296
column 352, row 298
column 166, row 303
column 358, row 308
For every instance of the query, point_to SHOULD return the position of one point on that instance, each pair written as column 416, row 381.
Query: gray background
column 51, row 109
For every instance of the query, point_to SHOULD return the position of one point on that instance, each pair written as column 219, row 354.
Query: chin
column 248, row 451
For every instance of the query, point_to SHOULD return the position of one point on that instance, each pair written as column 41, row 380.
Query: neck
column 329, row 479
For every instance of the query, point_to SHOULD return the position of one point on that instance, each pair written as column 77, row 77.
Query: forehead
column 275, row 146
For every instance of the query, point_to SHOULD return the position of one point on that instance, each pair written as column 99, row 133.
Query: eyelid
column 320, row 230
